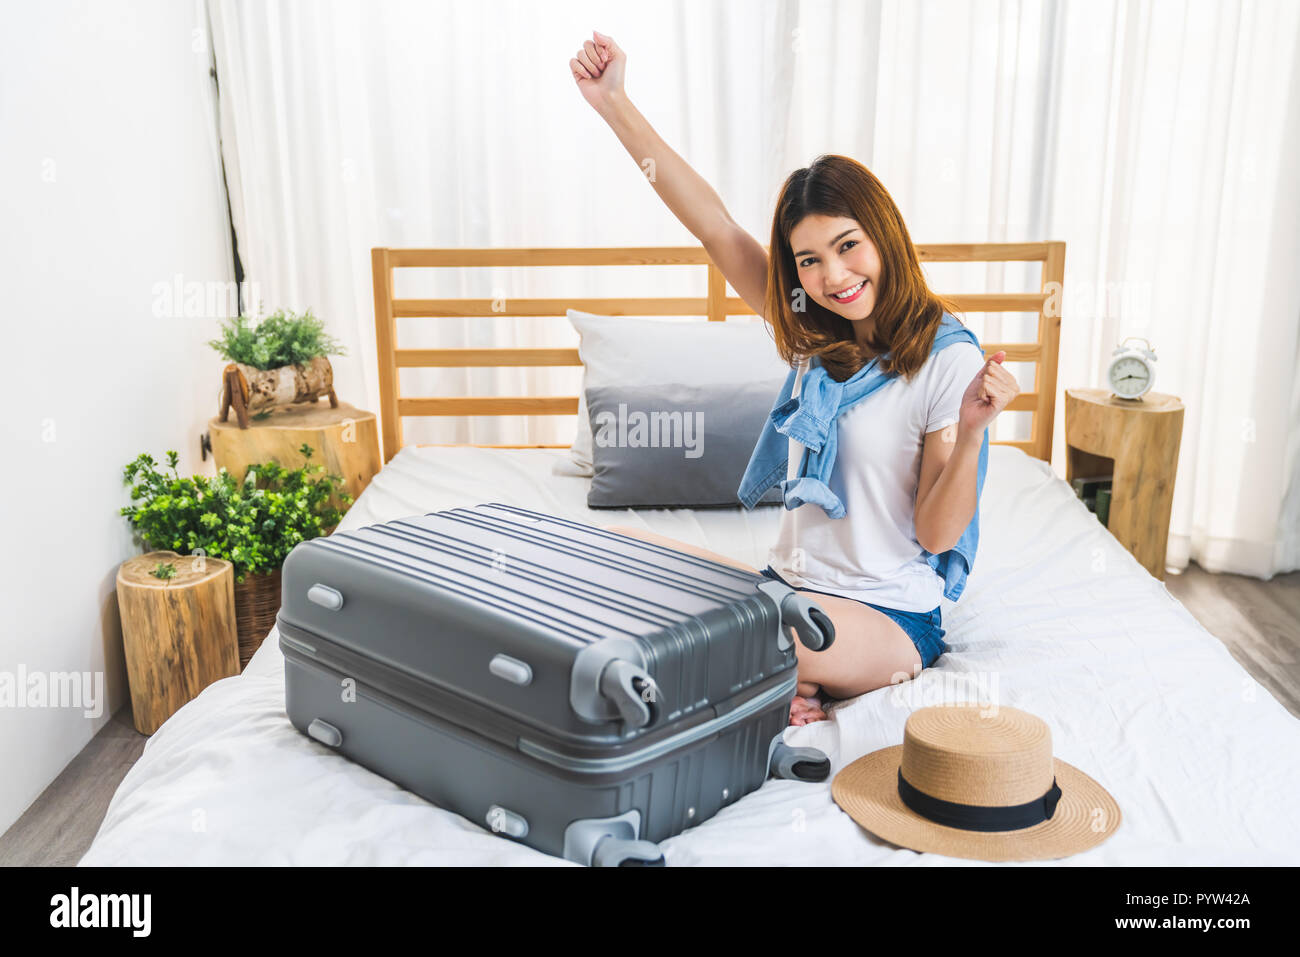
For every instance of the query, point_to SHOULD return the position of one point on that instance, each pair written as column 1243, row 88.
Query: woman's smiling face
column 833, row 254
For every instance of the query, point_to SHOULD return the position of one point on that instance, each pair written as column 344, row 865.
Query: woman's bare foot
column 806, row 711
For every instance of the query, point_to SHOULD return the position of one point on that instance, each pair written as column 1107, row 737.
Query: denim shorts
column 921, row 626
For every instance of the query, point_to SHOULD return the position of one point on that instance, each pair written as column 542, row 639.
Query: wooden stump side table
column 1140, row 438
column 178, row 633
column 345, row 440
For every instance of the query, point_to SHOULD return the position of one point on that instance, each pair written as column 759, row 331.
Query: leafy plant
column 164, row 570
column 252, row 523
column 281, row 339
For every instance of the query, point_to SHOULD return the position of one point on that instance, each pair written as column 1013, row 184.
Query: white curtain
column 348, row 125
column 1150, row 136
column 1157, row 139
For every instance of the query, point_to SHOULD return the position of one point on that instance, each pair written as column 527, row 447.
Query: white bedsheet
column 1057, row 619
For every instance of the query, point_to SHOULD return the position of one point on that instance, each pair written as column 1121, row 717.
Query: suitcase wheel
column 613, row 852
column 799, row 764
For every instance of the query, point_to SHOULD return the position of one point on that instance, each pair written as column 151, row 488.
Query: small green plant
column 252, row 523
column 282, row 338
column 164, row 570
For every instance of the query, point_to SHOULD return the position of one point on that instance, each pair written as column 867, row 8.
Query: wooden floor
column 59, row 826
column 1258, row 621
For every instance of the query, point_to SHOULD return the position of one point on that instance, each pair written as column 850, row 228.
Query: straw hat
column 976, row 782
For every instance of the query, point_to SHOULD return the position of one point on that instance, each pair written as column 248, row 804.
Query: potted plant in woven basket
column 278, row 360
column 253, row 523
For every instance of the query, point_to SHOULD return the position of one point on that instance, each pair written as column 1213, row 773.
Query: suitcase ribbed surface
column 500, row 575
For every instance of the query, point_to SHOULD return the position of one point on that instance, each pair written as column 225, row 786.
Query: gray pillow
column 694, row 397
column 674, row 445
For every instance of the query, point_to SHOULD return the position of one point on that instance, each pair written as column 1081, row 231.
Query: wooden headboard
column 715, row 306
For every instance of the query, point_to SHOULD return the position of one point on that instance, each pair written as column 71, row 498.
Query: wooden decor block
column 1141, row 438
column 245, row 388
column 178, row 633
column 345, row 440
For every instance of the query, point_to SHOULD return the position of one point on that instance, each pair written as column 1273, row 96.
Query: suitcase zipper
column 385, row 684
column 690, row 736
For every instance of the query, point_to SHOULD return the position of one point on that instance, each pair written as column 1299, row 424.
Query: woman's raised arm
column 598, row 69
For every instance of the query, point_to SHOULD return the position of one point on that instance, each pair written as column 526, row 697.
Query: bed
column 1057, row 619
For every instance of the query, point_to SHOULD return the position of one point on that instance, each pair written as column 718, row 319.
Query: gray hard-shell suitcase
column 584, row 692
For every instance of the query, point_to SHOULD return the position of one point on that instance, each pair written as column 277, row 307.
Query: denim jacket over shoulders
column 811, row 419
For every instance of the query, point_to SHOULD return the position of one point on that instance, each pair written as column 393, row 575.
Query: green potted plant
column 278, row 360
column 252, row 522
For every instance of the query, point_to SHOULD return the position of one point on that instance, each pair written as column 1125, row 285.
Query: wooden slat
column 677, row 255
column 490, row 405
column 559, row 405
column 982, row 252
column 1049, row 337
column 385, row 345
column 1016, row 351
column 665, row 306
column 997, row 301
column 467, row 308
column 965, row 302
column 717, row 299
column 553, row 256
column 1026, row 447
column 489, row 358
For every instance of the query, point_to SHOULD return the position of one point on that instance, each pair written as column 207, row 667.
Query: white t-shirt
column 872, row 552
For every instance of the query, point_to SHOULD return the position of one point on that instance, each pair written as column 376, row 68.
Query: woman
column 844, row 286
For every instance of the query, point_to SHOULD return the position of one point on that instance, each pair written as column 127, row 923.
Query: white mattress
column 1057, row 619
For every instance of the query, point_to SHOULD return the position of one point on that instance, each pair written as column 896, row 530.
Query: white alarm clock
column 1132, row 370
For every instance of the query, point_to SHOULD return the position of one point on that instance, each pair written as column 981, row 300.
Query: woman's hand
column 598, row 69
column 989, row 393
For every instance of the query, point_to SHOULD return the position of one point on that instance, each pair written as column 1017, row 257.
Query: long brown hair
column 907, row 312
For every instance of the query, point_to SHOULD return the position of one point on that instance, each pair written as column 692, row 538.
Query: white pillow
column 580, row 450
column 627, row 351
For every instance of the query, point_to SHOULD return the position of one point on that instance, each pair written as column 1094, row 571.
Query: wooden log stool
column 345, row 440
column 178, row 633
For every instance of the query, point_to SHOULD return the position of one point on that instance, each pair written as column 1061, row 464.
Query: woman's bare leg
column 870, row 649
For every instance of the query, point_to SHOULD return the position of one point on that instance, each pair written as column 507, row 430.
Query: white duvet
column 1057, row 619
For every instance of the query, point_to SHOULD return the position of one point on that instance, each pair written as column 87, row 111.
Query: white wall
column 110, row 183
